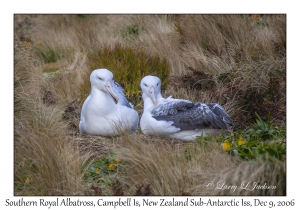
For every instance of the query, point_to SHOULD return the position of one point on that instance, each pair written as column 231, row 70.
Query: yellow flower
column 39, row 41
column 241, row 141
column 28, row 180
column 97, row 170
column 27, row 44
column 255, row 16
column 111, row 166
column 118, row 160
column 226, row 145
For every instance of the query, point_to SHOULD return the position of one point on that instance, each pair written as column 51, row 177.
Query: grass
column 238, row 61
column 169, row 168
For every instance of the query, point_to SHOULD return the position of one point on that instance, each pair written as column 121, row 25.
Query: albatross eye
column 145, row 85
column 100, row 78
column 157, row 84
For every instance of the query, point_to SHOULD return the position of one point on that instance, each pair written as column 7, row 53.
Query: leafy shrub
column 103, row 171
column 129, row 66
column 265, row 130
column 263, row 141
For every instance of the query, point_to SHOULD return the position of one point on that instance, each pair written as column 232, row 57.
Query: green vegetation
column 262, row 142
column 130, row 33
column 103, row 171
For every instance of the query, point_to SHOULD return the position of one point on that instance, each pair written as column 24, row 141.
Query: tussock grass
column 193, row 168
column 170, row 168
column 238, row 61
column 46, row 156
column 259, row 179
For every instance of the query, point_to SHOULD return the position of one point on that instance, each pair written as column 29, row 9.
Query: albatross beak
column 153, row 95
column 111, row 92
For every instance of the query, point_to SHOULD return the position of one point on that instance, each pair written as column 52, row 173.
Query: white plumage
column 106, row 110
column 178, row 118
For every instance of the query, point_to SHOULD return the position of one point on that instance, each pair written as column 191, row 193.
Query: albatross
column 106, row 111
column 179, row 118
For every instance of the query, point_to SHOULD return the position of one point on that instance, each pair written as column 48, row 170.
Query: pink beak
column 153, row 95
column 111, row 92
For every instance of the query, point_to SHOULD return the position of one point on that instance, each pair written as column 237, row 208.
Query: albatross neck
column 104, row 98
column 148, row 103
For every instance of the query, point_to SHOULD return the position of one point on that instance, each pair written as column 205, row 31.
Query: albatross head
column 151, row 86
column 102, row 79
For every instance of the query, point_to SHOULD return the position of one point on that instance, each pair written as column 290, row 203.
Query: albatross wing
column 120, row 93
column 189, row 116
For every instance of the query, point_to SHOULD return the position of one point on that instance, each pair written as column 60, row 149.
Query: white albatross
column 106, row 110
column 178, row 118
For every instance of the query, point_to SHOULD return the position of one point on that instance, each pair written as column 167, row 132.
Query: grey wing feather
column 219, row 110
column 120, row 93
column 171, row 108
column 188, row 115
